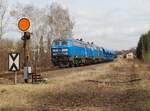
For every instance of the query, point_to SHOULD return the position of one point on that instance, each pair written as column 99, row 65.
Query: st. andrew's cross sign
column 14, row 62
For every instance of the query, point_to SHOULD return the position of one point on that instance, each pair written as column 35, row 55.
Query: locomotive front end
column 60, row 52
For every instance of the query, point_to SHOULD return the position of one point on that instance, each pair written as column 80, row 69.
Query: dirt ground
column 116, row 86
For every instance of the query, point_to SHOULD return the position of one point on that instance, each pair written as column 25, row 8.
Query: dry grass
column 21, row 95
column 69, row 90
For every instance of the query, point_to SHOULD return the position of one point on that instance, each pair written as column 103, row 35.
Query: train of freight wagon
column 74, row 52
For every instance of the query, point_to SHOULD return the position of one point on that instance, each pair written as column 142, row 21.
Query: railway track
column 10, row 75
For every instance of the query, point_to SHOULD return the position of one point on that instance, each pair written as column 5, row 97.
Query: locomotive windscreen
column 60, row 42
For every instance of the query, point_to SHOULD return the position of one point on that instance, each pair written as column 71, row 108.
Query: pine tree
column 142, row 50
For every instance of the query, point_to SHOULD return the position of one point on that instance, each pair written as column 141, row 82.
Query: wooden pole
column 25, row 50
column 15, row 79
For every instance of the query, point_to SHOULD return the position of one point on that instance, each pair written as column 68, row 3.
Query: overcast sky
column 115, row 24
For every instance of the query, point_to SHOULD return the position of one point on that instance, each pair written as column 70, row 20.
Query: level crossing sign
column 14, row 62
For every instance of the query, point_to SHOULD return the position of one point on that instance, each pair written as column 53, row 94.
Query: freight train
column 74, row 52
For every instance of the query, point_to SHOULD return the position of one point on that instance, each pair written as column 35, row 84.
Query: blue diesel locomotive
column 72, row 52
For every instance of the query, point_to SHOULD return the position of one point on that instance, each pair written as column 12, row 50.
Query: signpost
column 14, row 64
column 24, row 25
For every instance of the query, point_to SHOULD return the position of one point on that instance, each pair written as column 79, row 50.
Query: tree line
column 143, row 47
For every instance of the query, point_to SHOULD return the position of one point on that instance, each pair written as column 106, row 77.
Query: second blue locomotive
column 72, row 52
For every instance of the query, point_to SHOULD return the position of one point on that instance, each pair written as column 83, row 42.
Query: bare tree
column 38, row 18
column 56, row 24
column 6, row 46
column 3, row 9
column 45, row 25
column 60, row 23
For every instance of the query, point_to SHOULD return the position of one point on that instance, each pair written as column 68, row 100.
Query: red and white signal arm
column 14, row 62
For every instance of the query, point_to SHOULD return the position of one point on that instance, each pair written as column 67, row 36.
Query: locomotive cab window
column 60, row 42
column 56, row 43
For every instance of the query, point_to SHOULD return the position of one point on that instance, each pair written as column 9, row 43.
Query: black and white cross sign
column 14, row 61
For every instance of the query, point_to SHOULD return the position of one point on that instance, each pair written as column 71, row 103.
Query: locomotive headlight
column 65, row 53
column 54, row 54
column 64, row 50
column 55, row 50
